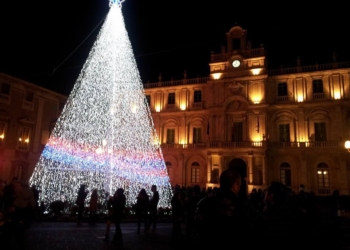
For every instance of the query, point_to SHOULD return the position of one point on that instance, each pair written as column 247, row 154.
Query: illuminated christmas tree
column 105, row 136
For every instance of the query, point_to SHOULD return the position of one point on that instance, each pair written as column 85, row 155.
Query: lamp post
column 347, row 145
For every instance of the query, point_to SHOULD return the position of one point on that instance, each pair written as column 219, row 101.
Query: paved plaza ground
column 67, row 235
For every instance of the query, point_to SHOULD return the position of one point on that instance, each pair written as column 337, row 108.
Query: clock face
column 236, row 63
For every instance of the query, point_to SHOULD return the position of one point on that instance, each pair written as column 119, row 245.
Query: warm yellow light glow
column 183, row 106
column 325, row 172
column 20, row 139
column 217, row 76
column 319, row 172
column 337, row 96
column 257, row 138
column 256, row 98
column 158, row 108
column 256, row 71
column 347, row 145
column 182, row 142
column 300, row 98
column 134, row 108
column 26, row 140
column 2, row 136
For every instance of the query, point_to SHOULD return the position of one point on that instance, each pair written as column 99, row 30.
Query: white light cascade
column 105, row 135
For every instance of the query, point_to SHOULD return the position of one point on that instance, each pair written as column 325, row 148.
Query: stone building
column 27, row 116
column 285, row 125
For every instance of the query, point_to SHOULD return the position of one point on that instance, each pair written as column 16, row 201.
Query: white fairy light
column 105, row 136
column 118, row 2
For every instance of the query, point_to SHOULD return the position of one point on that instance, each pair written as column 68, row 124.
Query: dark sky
column 47, row 42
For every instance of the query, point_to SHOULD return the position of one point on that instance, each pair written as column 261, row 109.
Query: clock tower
column 238, row 58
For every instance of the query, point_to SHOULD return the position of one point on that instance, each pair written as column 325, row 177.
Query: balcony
column 198, row 80
column 257, row 144
column 196, row 105
column 281, row 99
column 170, row 107
column 28, row 105
column 318, row 96
column 309, row 68
column 5, row 98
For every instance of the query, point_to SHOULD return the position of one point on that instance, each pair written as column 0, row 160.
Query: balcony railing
column 309, row 68
column 318, row 96
column 258, row 144
column 323, row 191
column 171, row 107
column 197, row 80
column 197, row 105
column 283, row 99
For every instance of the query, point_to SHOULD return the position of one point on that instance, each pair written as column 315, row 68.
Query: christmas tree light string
column 105, row 136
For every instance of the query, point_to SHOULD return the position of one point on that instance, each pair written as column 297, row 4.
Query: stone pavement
column 68, row 236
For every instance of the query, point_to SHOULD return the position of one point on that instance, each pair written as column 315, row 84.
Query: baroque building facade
column 286, row 125
column 28, row 114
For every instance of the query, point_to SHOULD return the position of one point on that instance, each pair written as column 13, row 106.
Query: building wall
column 286, row 125
column 27, row 116
column 294, row 135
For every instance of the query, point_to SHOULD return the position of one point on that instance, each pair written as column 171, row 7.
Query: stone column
column 209, row 167
column 250, row 169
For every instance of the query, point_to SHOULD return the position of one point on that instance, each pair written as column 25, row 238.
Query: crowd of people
column 211, row 216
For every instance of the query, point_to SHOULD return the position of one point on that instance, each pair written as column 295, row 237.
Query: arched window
column 285, row 174
column 323, row 175
column 195, row 171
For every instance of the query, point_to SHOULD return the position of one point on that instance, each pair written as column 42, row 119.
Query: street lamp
column 347, row 145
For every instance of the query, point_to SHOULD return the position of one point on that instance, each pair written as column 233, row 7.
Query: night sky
column 47, row 42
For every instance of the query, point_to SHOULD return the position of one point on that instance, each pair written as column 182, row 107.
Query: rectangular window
column 320, row 131
column 282, row 89
column 284, row 135
column 197, row 96
column 148, row 100
column 195, row 175
column 237, row 131
column 317, row 86
column 170, row 136
column 23, row 138
column 323, row 178
column 171, row 98
column 197, row 135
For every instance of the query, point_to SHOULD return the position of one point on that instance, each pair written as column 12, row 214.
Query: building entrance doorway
column 241, row 167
